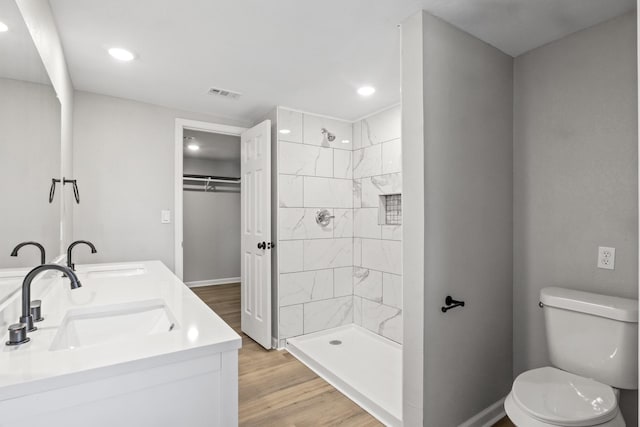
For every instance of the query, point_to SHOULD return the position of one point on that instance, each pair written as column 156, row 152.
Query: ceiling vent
column 224, row 93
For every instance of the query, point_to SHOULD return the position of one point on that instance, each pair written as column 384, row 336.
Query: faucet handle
column 36, row 310
column 17, row 334
column 28, row 321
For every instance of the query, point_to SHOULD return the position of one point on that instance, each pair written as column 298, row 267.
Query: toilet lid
column 558, row 397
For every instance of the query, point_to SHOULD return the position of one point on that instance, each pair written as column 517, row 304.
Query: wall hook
column 65, row 181
column 76, row 192
column 52, row 190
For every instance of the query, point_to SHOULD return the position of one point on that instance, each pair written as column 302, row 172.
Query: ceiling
column 306, row 55
column 20, row 59
column 213, row 146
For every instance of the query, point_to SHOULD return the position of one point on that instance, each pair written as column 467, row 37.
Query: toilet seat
column 551, row 396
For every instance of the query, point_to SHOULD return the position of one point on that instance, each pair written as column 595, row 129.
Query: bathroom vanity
column 132, row 346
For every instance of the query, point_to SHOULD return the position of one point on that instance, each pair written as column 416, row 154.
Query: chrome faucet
column 15, row 250
column 70, row 263
column 18, row 331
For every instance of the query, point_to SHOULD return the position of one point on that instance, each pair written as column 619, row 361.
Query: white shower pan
column 365, row 367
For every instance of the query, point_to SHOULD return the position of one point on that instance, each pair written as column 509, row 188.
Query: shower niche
column 390, row 209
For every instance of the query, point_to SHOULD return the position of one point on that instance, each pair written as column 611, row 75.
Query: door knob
column 262, row 245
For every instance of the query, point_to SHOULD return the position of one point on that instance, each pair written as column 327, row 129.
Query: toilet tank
column 592, row 335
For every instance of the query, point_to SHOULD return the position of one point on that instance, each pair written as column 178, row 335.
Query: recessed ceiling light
column 3, row 27
column 345, row 141
column 121, row 54
column 285, row 131
column 366, row 90
column 193, row 147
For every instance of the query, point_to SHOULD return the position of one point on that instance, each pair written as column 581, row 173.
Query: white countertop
column 33, row 367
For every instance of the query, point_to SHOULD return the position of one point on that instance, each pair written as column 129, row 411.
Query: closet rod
column 227, row 181
column 217, row 190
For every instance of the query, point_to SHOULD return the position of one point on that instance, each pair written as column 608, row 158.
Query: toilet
column 593, row 347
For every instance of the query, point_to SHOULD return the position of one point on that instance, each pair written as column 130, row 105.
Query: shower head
column 331, row 137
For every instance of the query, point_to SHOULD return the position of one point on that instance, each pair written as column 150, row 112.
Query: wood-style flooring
column 275, row 388
column 505, row 422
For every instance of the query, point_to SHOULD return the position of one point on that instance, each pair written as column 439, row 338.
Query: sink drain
column 335, row 342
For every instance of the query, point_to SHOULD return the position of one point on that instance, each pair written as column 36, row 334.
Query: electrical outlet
column 606, row 257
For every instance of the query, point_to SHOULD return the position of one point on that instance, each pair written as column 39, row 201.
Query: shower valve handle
column 323, row 217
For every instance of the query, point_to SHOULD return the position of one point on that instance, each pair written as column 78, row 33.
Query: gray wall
column 211, row 225
column 575, row 176
column 275, row 315
column 468, row 196
column 29, row 159
column 124, row 163
column 41, row 23
column 413, row 208
column 227, row 168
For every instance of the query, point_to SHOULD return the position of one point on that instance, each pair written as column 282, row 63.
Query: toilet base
column 521, row 419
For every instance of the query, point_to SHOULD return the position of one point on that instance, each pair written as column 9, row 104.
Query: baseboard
column 487, row 417
column 213, row 282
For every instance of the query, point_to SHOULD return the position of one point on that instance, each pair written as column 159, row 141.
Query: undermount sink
column 10, row 281
column 7, row 276
column 113, row 324
column 112, row 271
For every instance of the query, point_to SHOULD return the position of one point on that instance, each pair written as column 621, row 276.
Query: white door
column 255, row 166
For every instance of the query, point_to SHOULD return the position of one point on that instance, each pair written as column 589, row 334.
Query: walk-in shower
column 339, row 253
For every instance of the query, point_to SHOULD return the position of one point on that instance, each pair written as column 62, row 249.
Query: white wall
column 124, row 161
column 29, row 159
column 315, row 263
column 39, row 19
column 212, row 225
column 575, row 176
column 466, row 88
column 377, row 260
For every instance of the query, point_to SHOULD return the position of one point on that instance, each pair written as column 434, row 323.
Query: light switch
column 165, row 217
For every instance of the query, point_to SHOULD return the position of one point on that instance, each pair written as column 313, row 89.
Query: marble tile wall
column 350, row 270
column 315, row 263
column 377, row 248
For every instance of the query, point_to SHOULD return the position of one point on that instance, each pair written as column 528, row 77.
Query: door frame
column 181, row 125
